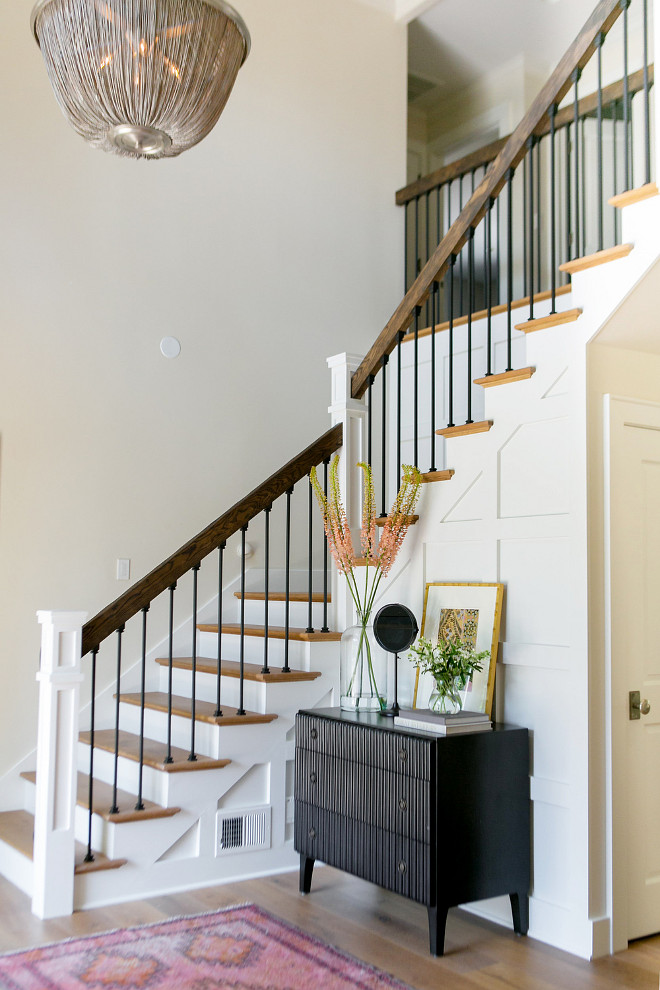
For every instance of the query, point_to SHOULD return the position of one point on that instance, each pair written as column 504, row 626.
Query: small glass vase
column 447, row 699
column 362, row 670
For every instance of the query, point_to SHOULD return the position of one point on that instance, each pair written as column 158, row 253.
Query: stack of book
column 429, row 721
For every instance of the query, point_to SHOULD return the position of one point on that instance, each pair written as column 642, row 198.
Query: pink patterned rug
column 240, row 948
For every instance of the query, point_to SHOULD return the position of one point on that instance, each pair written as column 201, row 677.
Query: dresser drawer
column 391, row 801
column 395, row 751
column 393, row 861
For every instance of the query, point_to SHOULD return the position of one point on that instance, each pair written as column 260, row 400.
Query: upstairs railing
column 137, row 601
column 549, row 182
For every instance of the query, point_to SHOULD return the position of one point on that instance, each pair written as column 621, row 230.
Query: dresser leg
column 520, row 912
column 437, row 926
column 306, row 867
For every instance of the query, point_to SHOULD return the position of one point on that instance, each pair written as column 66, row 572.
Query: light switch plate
column 123, row 569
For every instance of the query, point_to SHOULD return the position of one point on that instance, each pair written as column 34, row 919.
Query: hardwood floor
column 369, row 923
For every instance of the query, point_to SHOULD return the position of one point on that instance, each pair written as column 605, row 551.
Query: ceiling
column 456, row 41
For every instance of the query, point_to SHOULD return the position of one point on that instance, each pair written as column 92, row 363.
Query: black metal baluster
column 569, row 233
column 427, row 232
column 460, row 257
column 115, row 809
column 310, row 546
column 325, row 628
column 406, row 234
column 488, row 266
column 139, row 805
column 450, row 362
column 218, row 706
column 287, row 581
column 469, row 323
column 553, row 212
column 498, row 255
column 398, row 409
column 266, row 669
column 583, row 169
column 241, row 667
column 89, row 858
column 509, row 267
column 170, row 667
column 418, row 310
column 615, row 168
column 524, row 227
column 647, row 112
column 530, row 156
column 449, row 307
column 371, row 381
column 599, row 123
column 192, row 756
column 417, row 258
column 626, row 100
column 383, row 438
column 537, row 218
column 434, row 314
column 576, row 160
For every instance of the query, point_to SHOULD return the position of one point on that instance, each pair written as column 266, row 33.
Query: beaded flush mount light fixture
column 141, row 78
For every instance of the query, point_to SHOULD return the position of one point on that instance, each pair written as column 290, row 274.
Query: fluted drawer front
column 393, row 861
column 392, row 801
column 393, row 751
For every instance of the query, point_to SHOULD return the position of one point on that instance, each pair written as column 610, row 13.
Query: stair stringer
column 516, row 512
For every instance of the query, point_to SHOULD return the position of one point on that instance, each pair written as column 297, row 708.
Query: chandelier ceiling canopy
column 141, row 78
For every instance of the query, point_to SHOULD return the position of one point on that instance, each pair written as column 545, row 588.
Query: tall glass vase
column 363, row 670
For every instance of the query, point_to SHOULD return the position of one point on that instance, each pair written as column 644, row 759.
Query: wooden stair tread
column 274, row 632
column 411, row 520
column 515, row 375
column 17, row 830
column 204, row 710
column 432, row 476
column 280, row 596
column 599, row 258
column 633, row 195
column 102, row 801
column 552, row 320
column 232, row 668
column 154, row 752
column 481, row 314
column 466, row 429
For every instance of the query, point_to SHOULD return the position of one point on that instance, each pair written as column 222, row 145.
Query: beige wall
column 268, row 247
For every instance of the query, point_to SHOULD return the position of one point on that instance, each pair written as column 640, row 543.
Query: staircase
column 184, row 776
column 205, row 820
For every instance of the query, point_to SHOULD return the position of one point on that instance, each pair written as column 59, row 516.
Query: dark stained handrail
column 192, row 553
column 515, row 149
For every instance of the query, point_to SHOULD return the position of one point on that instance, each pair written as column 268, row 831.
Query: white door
column 634, row 503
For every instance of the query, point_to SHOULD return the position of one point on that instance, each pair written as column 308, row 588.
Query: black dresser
column 443, row 820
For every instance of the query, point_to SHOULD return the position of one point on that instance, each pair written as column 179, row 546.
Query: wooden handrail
column 515, row 149
column 162, row 577
column 489, row 152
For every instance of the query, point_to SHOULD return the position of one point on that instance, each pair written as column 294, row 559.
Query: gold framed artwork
column 471, row 613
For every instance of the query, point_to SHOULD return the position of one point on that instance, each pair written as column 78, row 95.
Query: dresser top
column 374, row 720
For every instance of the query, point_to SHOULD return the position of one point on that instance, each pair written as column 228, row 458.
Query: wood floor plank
column 381, row 928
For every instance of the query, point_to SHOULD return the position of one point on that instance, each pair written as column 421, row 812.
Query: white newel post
column 352, row 414
column 59, row 679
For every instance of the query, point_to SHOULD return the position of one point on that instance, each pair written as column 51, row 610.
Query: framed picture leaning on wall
column 470, row 613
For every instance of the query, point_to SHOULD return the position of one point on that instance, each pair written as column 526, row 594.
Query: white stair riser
column 207, row 646
column 232, row 742
column 166, row 789
column 255, row 612
column 254, row 692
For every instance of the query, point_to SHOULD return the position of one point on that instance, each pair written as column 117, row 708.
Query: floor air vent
column 243, row 830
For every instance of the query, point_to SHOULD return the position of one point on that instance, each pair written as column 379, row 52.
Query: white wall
column 272, row 244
